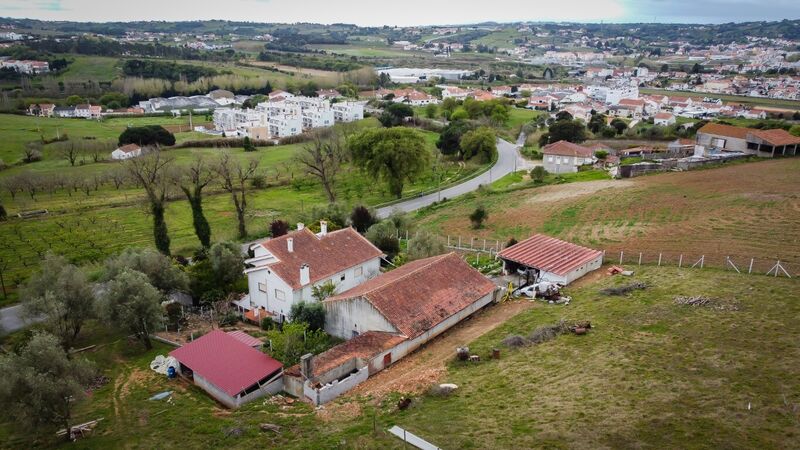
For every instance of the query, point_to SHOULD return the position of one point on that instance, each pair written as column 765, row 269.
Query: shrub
column 424, row 245
column 546, row 333
column 515, row 341
column 384, row 236
column 312, row 314
column 296, row 139
column 268, row 324
column 3, row 213
column 278, row 228
column 538, row 173
column 478, row 217
column 362, row 218
column 259, row 181
column 147, row 135
column 228, row 319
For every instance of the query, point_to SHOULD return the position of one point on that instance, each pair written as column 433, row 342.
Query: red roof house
column 552, row 259
column 228, row 369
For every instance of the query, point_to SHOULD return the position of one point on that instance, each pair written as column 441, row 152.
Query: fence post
column 484, row 245
column 659, row 259
column 459, row 242
column 702, row 261
column 750, row 270
column 680, row 261
column 472, row 242
column 448, row 240
column 640, row 258
column 620, row 256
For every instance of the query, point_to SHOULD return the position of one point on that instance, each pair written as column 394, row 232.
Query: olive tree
column 160, row 271
column 41, row 385
column 131, row 303
column 62, row 295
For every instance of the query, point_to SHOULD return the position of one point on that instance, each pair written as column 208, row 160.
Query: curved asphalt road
column 508, row 160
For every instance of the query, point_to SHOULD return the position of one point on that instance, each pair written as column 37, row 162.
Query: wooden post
column 702, row 261
column 484, row 245
column 750, row 270
column 448, row 240
column 640, row 258
column 680, row 261
column 459, row 242
column 620, row 257
column 659, row 259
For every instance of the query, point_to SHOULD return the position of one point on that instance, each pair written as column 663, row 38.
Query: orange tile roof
column 549, row 254
column 566, row 148
column 325, row 255
column 421, row 294
column 725, row 130
column 776, row 137
column 365, row 346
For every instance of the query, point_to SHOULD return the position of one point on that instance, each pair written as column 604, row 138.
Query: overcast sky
column 408, row 12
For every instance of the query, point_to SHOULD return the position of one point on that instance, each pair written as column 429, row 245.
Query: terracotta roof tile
column 549, row 254
column 417, row 296
column 325, row 255
column 776, row 137
column 565, row 148
column 365, row 346
column 725, row 130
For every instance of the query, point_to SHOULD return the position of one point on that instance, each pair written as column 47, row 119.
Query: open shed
column 228, row 369
column 544, row 258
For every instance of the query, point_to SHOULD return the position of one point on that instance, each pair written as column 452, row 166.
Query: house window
column 549, row 159
column 262, row 287
column 280, row 295
column 358, row 271
column 341, row 278
column 719, row 143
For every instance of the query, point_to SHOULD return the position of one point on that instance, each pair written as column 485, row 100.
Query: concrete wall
column 345, row 316
column 736, row 144
column 559, row 164
column 293, row 385
column 234, row 402
column 585, row 268
column 336, row 388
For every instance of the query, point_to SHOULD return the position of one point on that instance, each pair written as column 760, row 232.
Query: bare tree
column 69, row 151
column 192, row 181
column 234, row 176
column 12, row 185
column 322, row 158
column 118, row 177
column 32, row 152
column 151, row 172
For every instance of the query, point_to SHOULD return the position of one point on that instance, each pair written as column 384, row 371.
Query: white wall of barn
column 343, row 317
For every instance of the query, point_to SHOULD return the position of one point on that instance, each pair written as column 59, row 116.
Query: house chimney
column 323, row 227
column 290, row 244
column 300, row 226
column 305, row 275
column 305, row 366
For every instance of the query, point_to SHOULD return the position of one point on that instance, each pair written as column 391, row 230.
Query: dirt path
column 418, row 371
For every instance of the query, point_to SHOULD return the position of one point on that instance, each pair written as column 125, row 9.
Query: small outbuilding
column 127, row 151
column 229, row 369
column 544, row 258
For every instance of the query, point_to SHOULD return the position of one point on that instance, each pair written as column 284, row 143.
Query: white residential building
column 283, row 270
column 285, row 125
column 348, row 111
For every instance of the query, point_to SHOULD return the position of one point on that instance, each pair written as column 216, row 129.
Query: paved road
column 509, row 160
column 11, row 319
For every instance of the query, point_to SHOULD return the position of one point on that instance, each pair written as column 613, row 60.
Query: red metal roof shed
column 549, row 254
column 226, row 362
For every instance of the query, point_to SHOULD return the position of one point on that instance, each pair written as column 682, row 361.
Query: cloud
column 410, row 12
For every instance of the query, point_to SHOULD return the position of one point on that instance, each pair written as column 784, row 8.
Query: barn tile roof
column 776, row 137
column 365, row 346
column 419, row 295
column 226, row 362
column 325, row 255
column 566, row 148
column 725, row 130
column 549, row 254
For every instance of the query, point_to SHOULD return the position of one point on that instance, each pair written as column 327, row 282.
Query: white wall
column 342, row 317
column 336, row 388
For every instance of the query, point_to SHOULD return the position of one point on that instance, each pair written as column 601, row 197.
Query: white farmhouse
column 283, row 270
column 126, row 152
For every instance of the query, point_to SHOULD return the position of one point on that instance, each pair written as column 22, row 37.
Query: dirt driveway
column 417, row 371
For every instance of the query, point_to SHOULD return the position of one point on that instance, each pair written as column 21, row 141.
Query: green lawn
column 649, row 374
column 368, row 50
column 94, row 68
column 87, row 228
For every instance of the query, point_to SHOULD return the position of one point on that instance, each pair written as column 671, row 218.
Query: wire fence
column 754, row 265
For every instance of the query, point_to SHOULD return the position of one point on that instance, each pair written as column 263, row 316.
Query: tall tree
column 151, row 172
column 191, row 182
column 397, row 155
column 41, row 386
column 61, row 294
column 133, row 304
column 322, row 158
column 480, row 143
column 234, row 176
column 160, row 271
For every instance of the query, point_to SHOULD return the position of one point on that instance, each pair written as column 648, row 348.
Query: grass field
column 719, row 212
column 367, row 50
column 87, row 228
column 94, row 68
column 649, row 374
